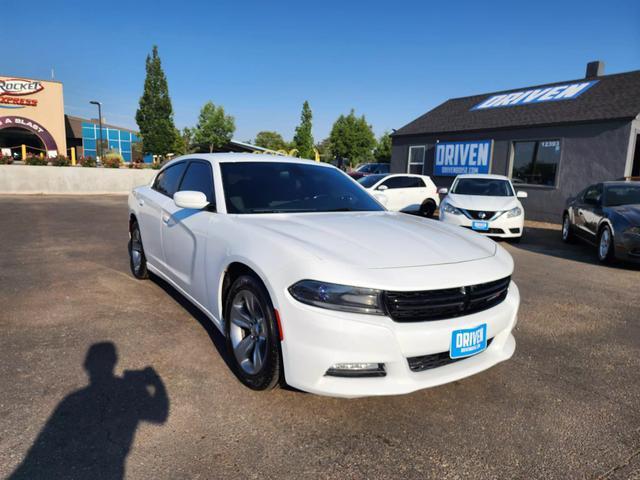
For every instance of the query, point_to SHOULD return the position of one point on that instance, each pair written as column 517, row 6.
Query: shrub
column 87, row 162
column 112, row 160
column 60, row 161
column 136, row 165
column 35, row 160
column 156, row 165
column 6, row 160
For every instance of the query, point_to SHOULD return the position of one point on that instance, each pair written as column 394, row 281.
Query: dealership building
column 32, row 114
column 552, row 140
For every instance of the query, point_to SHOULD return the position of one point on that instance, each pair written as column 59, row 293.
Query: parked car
column 314, row 283
column 404, row 192
column 369, row 169
column 487, row 204
column 606, row 215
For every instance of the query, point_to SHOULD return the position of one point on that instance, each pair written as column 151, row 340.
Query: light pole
column 99, row 151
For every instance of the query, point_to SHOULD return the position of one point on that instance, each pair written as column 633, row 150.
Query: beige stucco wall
column 48, row 113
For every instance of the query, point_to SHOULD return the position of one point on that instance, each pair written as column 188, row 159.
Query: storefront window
column 416, row 160
column 536, row 162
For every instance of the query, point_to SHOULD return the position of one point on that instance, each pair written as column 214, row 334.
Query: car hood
column 478, row 202
column 373, row 239
column 630, row 212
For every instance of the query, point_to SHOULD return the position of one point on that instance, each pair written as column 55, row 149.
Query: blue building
column 84, row 135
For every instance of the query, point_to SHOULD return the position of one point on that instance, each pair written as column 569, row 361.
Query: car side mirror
column 522, row 194
column 382, row 188
column 190, row 199
column 443, row 191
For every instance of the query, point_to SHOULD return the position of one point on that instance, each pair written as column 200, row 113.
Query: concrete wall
column 71, row 180
column 589, row 153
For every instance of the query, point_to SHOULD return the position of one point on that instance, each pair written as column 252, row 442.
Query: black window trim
column 155, row 181
column 512, row 152
column 212, row 206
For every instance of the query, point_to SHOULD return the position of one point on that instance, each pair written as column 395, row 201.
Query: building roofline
column 31, row 78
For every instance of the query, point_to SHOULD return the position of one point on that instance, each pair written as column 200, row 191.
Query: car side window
column 416, row 182
column 394, row 182
column 168, row 180
column 199, row 178
column 592, row 194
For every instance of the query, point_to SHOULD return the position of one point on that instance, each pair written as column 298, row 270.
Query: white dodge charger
column 315, row 284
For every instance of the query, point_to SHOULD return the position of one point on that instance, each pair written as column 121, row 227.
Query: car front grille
column 496, row 231
column 427, row 305
column 435, row 360
column 479, row 214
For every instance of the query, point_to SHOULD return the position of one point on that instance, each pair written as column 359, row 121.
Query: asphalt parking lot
column 567, row 405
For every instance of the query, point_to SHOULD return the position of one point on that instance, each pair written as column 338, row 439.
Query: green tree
column 155, row 113
column 303, row 139
column 270, row 140
column 215, row 128
column 382, row 152
column 352, row 139
column 324, row 149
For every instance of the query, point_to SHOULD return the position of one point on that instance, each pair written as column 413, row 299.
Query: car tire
column 428, row 208
column 252, row 335
column 567, row 234
column 605, row 245
column 137, row 258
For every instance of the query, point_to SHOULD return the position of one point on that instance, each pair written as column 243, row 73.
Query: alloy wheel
column 605, row 244
column 136, row 250
column 248, row 332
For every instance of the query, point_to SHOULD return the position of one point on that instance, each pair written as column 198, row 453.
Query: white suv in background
column 487, row 204
column 404, row 192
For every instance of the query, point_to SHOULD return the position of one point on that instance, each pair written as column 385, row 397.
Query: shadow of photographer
column 89, row 434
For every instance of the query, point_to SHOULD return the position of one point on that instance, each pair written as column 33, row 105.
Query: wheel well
column 132, row 218
column 235, row 270
column 601, row 227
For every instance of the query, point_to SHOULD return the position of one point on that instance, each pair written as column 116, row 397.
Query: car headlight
column 338, row 297
column 514, row 212
column 448, row 208
column 634, row 230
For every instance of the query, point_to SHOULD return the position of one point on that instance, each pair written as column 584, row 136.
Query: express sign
column 17, row 87
column 536, row 95
column 457, row 158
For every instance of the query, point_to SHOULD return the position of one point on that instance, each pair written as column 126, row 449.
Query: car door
column 592, row 213
column 184, row 230
column 396, row 192
column 150, row 211
column 416, row 193
column 585, row 211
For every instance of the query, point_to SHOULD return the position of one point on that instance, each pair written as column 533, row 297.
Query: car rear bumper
column 315, row 339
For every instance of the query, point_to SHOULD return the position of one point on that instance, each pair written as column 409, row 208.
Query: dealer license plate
column 482, row 226
column 468, row 341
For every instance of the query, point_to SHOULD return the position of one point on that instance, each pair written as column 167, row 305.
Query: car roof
column 620, row 183
column 245, row 157
column 483, row 175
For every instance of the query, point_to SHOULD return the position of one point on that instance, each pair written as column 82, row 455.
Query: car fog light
column 357, row 369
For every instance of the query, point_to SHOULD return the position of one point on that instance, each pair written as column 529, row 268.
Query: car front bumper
column 502, row 227
column 315, row 339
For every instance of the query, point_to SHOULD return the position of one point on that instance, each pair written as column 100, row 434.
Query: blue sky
column 391, row 61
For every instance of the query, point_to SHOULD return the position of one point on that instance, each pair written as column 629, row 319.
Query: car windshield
column 616, row 195
column 370, row 180
column 487, row 187
column 283, row 187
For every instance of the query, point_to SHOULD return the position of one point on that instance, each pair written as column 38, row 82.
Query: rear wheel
column 428, row 208
column 567, row 234
column 605, row 245
column 252, row 334
column 137, row 259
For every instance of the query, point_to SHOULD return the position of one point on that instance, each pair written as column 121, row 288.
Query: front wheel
column 137, row 258
column 605, row 245
column 252, row 334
